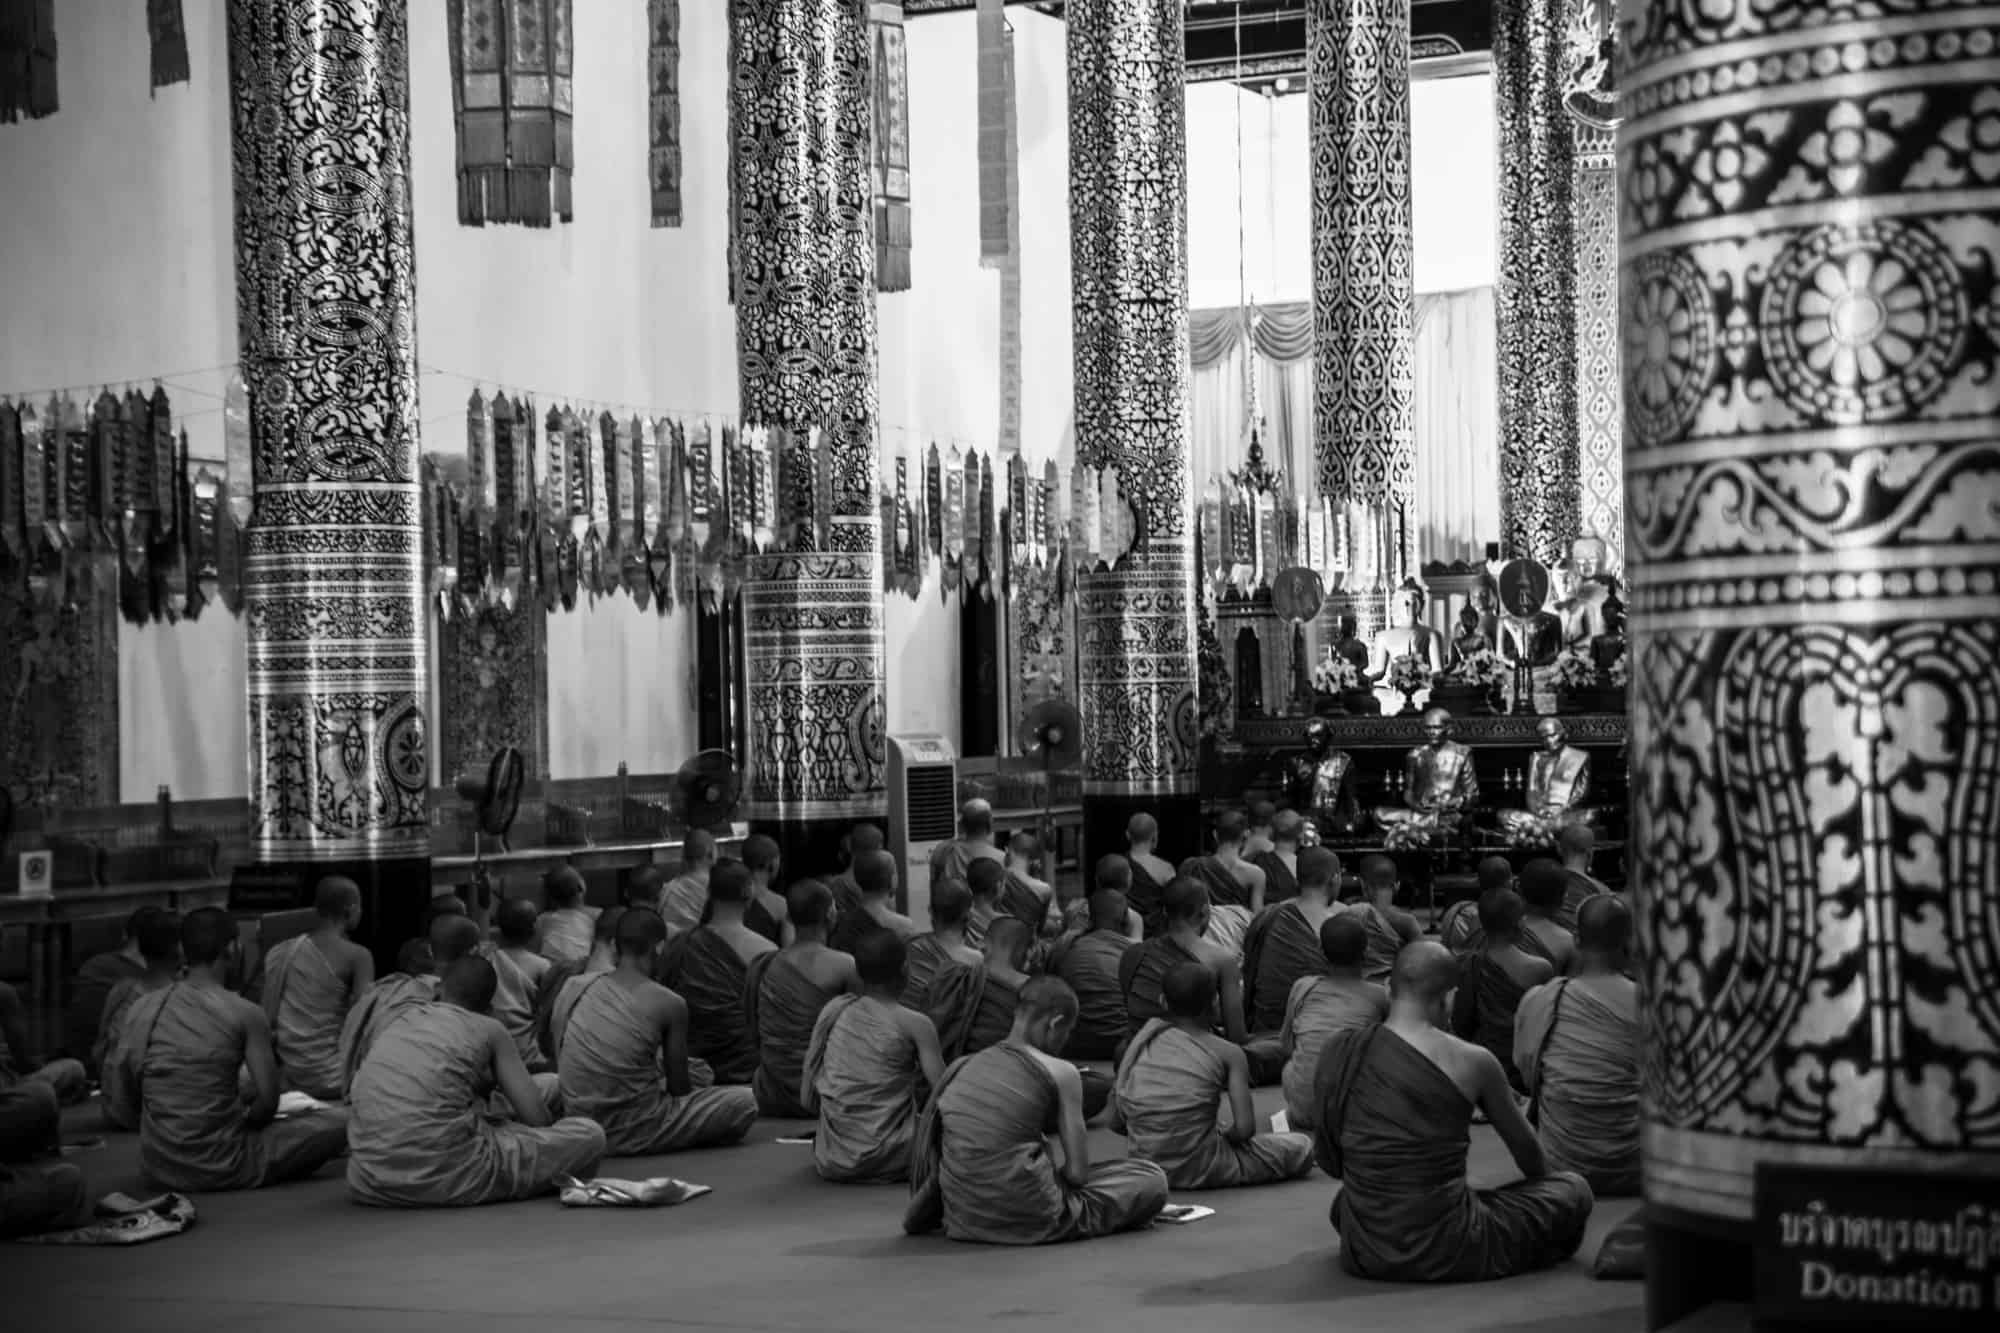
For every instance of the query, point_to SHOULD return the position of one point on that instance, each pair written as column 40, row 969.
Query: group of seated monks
column 494, row 1065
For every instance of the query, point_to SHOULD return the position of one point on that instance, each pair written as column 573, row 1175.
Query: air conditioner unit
column 923, row 812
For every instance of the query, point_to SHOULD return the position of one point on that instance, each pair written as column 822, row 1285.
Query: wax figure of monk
column 38, row 1191
column 158, row 936
column 860, row 840
column 1576, row 1043
column 766, row 912
column 684, row 901
column 974, row 843
column 1183, row 1098
column 174, row 1069
column 1440, row 785
column 1282, row 944
column 783, row 997
column 980, row 1167
column 1235, row 887
column 1543, row 883
column 1150, row 873
column 987, row 880
column 1458, row 929
column 1394, row 1127
column 875, row 877
column 622, row 1043
column 423, row 1135
column 1335, row 999
column 18, row 1063
column 603, row 957
column 1577, row 845
column 1280, row 860
column 868, row 1068
column 709, row 967
column 451, row 938
column 1389, row 927
column 307, row 985
column 1558, row 787
column 520, row 972
column 1494, row 978
column 94, row 981
column 1187, row 941
column 1089, row 963
column 951, row 904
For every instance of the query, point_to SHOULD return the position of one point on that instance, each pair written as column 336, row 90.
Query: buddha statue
column 1319, row 784
column 1407, row 635
column 1471, row 637
column 1530, row 633
column 1558, row 786
column 1609, row 646
column 1438, row 783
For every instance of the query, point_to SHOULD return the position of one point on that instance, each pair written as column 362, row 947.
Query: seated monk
column 1183, row 1098
column 1543, row 883
column 1235, row 887
column 1334, row 1000
column 869, row 1064
column 309, row 983
column 1260, row 836
column 1150, row 874
column 422, row 1134
column 643, row 887
column 603, row 957
column 783, row 997
column 1114, row 873
column 1282, row 944
column 974, row 843
column 567, row 927
column 1494, row 979
column 980, row 1167
column 1089, row 963
column 38, row 1191
column 1394, row 1126
column 451, row 938
column 973, row 1008
column 520, row 972
column 987, row 880
column 1458, row 929
column 1280, row 861
column 1577, row 844
column 175, row 1069
column 66, row 1078
column 709, row 967
column 1576, row 1043
column 1023, row 895
column 875, row 876
column 684, row 902
column 1389, row 926
column 159, row 941
column 766, row 912
column 860, row 840
column 1186, row 941
column 95, row 979
column 951, row 902
column 622, row 1044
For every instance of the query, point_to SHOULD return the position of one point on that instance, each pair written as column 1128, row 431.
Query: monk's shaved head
column 1141, row 827
column 516, row 919
column 1425, row 970
column 729, row 882
column 808, row 903
column 1114, row 872
column 863, row 838
column 1318, row 869
column 1344, row 940
column 565, row 885
column 1542, row 884
column 1378, row 872
column 985, row 876
column 1046, row 998
column 1495, row 872
column 335, row 897
column 951, row 903
column 1287, row 826
column 1189, row 990
column 1107, row 910
column 206, row 934
column 608, row 922
column 470, row 983
column 1577, row 840
column 1604, row 924
column 1500, row 912
column 1007, row 940
column 640, row 931
column 1184, row 899
column 159, row 938
column 414, row 958
column 875, row 872
column 880, row 957
column 452, row 938
column 644, row 884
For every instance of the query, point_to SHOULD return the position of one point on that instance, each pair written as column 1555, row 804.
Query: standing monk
column 709, row 966
column 1333, row 1000
column 309, row 983
column 784, row 994
column 869, row 1064
column 1282, row 944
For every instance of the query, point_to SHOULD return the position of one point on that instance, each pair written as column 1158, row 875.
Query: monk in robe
column 1458, row 929
column 783, row 997
column 1282, row 944
column 309, row 983
column 1577, row 844
column 973, row 1006
column 1260, row 837
column 622, row 1042
column 175, row 1071
column 567, row 928
column 1112, row 874
column 981, row 1168
column 423, row 1136
column 868, row 1067
column 159, row 941
column 38, row 1191
column 1150, row 873
column 1394, row 1126
column 603, row 957
column 1187, row 941
column 684, row 901
column 66, row 1078
column 709, row 966
column 1576, row 1043
column 875, row 876
column 1235, row 887
column 643, row 887
column 1023, row 895
column 1333, row 1000
column 1389, row 926
column 1089, row 963
column 1494, row 979
column 974, row 843
column 94, row 981
column 519, row 971
column 951, row 903
column 987, row 880
column 1543, row 883
column 451, row 938
column 1280, row 861
column 766, row 912
column 860, row 840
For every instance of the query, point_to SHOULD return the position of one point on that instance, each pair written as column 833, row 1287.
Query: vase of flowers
column 1579, row 688
column 1334, row 681
column 1407, row 675
column 1472, row 686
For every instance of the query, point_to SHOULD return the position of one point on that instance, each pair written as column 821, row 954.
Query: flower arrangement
column 1408, row 674
column 1411, row 836
column 1621, row 671
column 1575, row 671
column 1480, row 669
column 1335, row 675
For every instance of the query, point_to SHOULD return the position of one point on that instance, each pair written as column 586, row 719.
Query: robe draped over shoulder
column 710, row 975
column 116, row 1006
column 1022, row 901
column 1395, row 1130
column 1580, row 889
column 950, row 860
column 781, row 1004
column 1139, row 975
column 421, row 1136
column 1488, row 997
column 1280, row 947
column 307, row 1003
column 567, row 933
column 1281, row 884
column 516, row 1000
column 95, row 979
column 1578, row 1053
column 1145, row 897
column 863, row 1076
column 957, row 991
column 1319, row 1007
column 1459, row 929
column 1384, row 942
column 379, row 1007
column 1089, row 963
column 925, row 956
column 980, row 1166
column 1228, row 900
column 683, row 903
column 1172, row 1090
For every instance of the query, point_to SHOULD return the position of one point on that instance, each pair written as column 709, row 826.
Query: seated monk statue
column 1493, row 980
column 1388, row 926
column 1235, row 887
column 875, row 875
column 767, row 909
column 684, row 902
column 988, row 880
column 1407, row 635
column 1183, row 1098
column 1459, row 929
column 1439, row 783
column 860, row 840
column 868, row 1067
column 1320, row 784
column 1280, row 863
column 951, row 903
column 1150, row 873
column 66, row 1078
column 1348, row 647
column 1394, row 1127
column 308, row 983
column 1186, row 940
column 175, row 1070
column 980, row 1167
column 1576, row 1043
column 1262, row 817
column 709, row 967
column 603, row 957
column 451, row 937
column 94, row 981
column 1577, row 845
column 423, row 1135
column 1282, row 944
column 954, row 859
column 1471, row 638
column 622, row 1042
column 1543, row 883
column 521, row 972
column 1332, row 1000
column 1089, row 963
column 567, row 928
column 39, row 1192
column 159, row 941
column 1025, row 896
column 784, row 994
column 1558, row 786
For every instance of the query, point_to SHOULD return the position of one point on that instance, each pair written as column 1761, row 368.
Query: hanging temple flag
column 664, row 108
column 890, row 145
column 167, row 31
column 511, row 66
column 27, row 60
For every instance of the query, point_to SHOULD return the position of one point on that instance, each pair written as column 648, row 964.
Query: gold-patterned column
column 1810, row 234
column 800, row 124
column 1129, row 265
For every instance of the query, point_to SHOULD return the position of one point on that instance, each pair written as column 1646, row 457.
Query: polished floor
column 772, row 1249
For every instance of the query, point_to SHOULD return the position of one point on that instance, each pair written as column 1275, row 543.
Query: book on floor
column 1180, row 1214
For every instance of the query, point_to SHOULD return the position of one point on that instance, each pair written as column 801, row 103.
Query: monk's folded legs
column 1540, row 1222
column 705, row 1118
column 1267, row 1159
column 298, row 1146
column 30, row 1121
column 45, row 1196
column 571, row 1146
column 1118, row 1196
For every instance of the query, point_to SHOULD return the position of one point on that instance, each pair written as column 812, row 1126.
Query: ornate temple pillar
column 800, row 112
column 1129, row 263
column 1535, row 299
column 326, row 321
column 1811, row 222
column 1600, row 418
column 1364, row 307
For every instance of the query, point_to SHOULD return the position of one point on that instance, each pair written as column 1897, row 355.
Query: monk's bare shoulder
column 1067, row 1080
column 912, row 1024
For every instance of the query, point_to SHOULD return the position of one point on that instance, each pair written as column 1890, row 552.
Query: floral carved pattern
column 493, row 679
